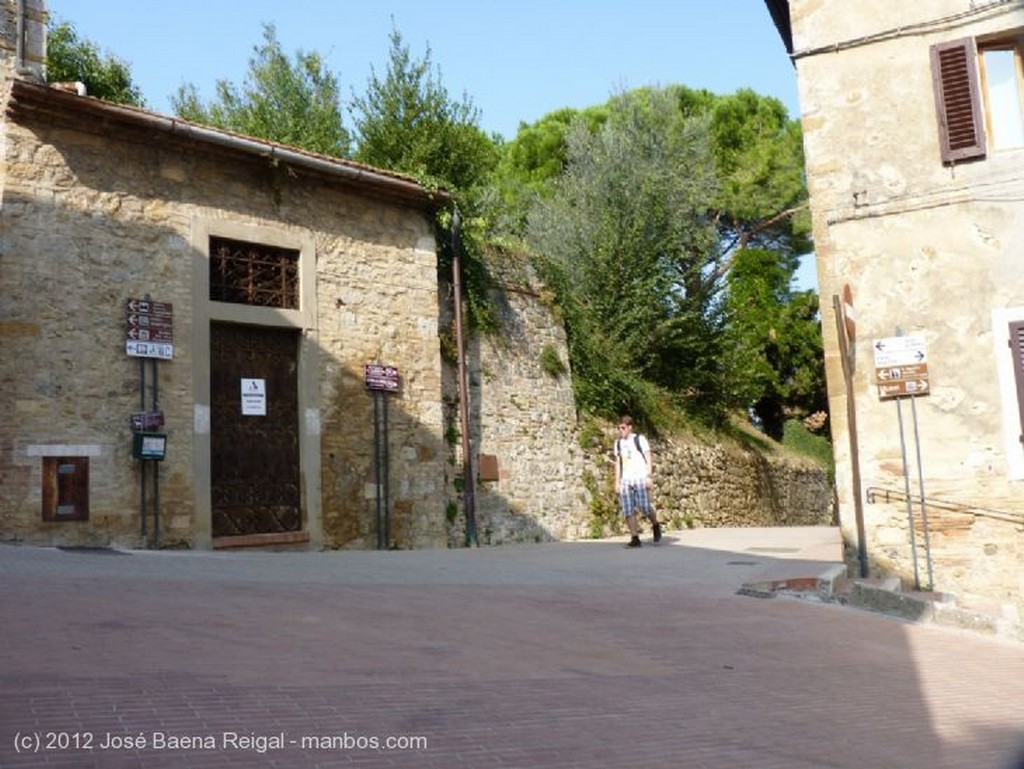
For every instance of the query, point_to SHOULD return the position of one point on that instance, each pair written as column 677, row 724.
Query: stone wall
column 548, row 487
column 91, row 220
column 522, row 403
column 703, row 484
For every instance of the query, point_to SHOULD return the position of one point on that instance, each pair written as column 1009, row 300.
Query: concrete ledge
column 824, row 585
column 882, row 598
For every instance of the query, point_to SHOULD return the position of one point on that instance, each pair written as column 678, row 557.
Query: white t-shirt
column 634, row 466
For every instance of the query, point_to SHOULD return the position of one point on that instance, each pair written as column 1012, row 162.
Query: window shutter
column 1017, row 351
column 958, row 100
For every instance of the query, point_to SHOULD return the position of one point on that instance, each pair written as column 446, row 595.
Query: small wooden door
column 254, row 440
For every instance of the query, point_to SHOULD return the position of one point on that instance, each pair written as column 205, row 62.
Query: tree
column 407, row 122
column 755, row 159
column 626, row 243
column 775, row 349
column 290, row 102
column 758, row 151
column 72, row 59
column 530, row 164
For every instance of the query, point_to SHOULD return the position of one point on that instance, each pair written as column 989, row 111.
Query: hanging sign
column 254, row 397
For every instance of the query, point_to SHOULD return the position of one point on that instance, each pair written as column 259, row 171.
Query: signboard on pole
column 149, row 329
column 380, row 377
column 901, row 366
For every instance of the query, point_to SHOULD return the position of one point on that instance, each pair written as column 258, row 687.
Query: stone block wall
column 549, row 487
column 91, row 220
column 523, row 402
column 700, row 484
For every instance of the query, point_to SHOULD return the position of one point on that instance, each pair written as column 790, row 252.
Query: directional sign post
column 381, row 380
column 149, row 333
column 901, row 366
column 901, row 370
column 149, row 329
column 380, row 377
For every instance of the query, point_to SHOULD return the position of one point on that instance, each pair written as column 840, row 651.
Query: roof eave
column 31, row 99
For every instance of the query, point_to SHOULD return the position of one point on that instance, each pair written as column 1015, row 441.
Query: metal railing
column 879, row 494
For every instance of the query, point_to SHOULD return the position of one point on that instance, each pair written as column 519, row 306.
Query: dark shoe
column 634, row 542
column 657, row 532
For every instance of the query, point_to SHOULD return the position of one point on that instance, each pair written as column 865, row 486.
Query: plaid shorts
column 634, row 497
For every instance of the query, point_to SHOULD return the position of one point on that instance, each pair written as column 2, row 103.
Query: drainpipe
column 20, row 67
column 469, row 501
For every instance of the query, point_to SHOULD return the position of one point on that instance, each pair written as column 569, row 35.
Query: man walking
column 633, row 469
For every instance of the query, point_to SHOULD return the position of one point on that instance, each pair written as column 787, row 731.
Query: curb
column 886, row 597
column 824, row 585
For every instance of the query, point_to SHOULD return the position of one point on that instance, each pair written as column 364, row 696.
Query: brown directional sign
column 889, row 374
column 148, row 329
column 147, row 321
column 380, row 377
column 902, row 387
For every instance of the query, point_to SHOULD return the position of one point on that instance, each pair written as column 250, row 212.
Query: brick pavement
column 563, row 655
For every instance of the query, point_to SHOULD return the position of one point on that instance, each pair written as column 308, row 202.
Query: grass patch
column 800, row 440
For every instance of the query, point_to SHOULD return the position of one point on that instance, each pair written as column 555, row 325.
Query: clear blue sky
column 517, row 61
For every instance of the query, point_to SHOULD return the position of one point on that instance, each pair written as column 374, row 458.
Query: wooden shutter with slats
column 958, row 100
column 1017, row 353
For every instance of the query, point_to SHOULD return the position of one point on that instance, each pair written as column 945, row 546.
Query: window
column 979, row 96
column 65, row 488
column 253, row 274
column 1008, row 349
column 1001, row 79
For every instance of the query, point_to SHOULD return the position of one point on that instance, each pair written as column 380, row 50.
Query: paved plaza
column 561, row 655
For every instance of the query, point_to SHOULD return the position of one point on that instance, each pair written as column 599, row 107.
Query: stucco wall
column 926, row 249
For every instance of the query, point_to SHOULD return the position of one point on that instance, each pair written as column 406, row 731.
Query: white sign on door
column 254, row 397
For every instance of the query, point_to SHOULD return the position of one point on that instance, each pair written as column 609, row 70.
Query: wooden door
column 254, row 437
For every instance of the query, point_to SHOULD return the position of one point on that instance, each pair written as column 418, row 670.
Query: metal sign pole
column 377, row 467
column 906, row 485
column 924, row 511
column 142, row 486
column 386, row 461
column 156, row 465
column 844, row 326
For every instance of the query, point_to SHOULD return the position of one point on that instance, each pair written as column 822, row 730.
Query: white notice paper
column 254, row 397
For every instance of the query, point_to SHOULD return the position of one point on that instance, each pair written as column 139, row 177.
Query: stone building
column 185, row 321
column 193, row 325
column 913, row 121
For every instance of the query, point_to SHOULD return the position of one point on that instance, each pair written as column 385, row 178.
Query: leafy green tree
column 758, row 154
column 69, row 58
column 406, row 121
column 775, row 350
column 530, row 164
column 290, row 102
column 626, row 242
column 759, row 202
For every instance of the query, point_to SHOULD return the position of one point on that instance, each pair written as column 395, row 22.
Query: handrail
column 894, row 495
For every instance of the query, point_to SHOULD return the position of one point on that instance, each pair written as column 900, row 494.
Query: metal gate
column 254, row 436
